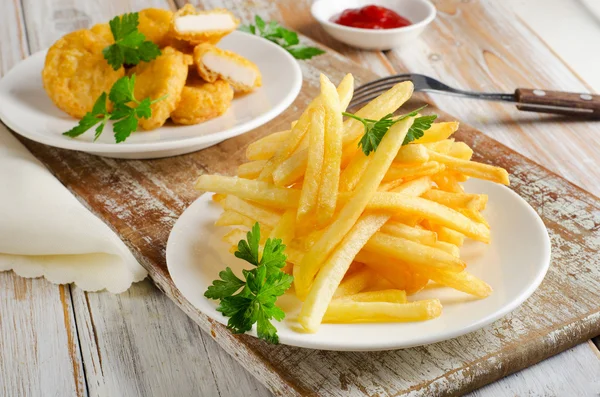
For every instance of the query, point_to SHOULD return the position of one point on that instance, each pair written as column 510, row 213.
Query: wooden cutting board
column 141, row 200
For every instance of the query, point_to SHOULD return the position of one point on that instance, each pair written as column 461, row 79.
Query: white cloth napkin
column 45, row 231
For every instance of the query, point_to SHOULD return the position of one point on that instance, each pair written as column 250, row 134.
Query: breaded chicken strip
column 163, row 76
column 75, row 72
column 214, row 63
column 201, row 101
column 155, row 24
column 202, row 26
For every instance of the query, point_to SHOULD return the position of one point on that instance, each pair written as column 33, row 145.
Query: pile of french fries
column 362, row 232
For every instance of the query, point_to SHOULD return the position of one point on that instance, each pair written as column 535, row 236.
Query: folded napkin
column 45, row 231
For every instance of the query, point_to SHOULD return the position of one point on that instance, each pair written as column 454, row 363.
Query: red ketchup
column 371, row 17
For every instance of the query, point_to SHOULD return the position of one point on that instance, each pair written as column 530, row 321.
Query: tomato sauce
column 371, row 17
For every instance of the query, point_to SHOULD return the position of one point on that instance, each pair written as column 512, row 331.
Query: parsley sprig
column 255, row 301
column 281, row 36
column 375, row 130
column 127, row 110
column 130, row 45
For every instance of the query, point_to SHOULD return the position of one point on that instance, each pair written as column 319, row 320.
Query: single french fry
column 310, row 187
column 397, row 273
column 248, row 189
column 474, row 215
column 456, row 200
column 410, row 252
column 397, row 171
column 461, row 150
column 386, row 295
column 285, row 227
column 435, row 212
column 260, row 214
column 345, row 90
column 330, row 275
column 332, row 156
column 352, row 209
column 461, row 281
column 232, row 218
column 293, row 168
column 448, row 247
column 251, row 169
column 450, row 236
column 265, row 148
column 448, row 183
column 353, row 171
column 397, row 229
column 442, row 146
column 472, row 168
column 412, row 154
column 354, row 283
column 345, row 311
column 218, row 197
column 378, row 284
column 438, row 132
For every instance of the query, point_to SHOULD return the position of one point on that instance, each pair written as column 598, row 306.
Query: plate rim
column 144, row 147
column 391, row 345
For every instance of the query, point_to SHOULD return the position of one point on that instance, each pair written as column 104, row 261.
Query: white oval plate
column 26, row 109
column 514, row 264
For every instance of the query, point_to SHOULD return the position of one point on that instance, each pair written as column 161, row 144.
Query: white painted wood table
column 61, row 341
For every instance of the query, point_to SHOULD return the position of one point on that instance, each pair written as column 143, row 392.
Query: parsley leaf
column 130, row 45
column 287, row 39
column 127, row 111
column 255, row 301
column 375, row 130
column 419, row 125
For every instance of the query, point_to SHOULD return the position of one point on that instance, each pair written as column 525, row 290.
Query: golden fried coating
column 165, row 75
column 214, row 63
column 155, row 24
column 198, row 27
column 201, row 101
column 75, row 72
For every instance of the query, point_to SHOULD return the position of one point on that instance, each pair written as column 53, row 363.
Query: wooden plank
column 38, row 339
column 39, row 348
column 572, row 373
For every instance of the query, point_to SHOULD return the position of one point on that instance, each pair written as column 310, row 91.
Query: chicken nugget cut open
column 198, row 27
column 201, row 101
column 75, row 72
column 163, row 76
column 214, row 63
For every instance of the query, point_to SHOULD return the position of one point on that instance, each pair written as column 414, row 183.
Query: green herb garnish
column 281, row 36
column 130, row 45
column 255, row 301
column 375, row 130
column 124, row 113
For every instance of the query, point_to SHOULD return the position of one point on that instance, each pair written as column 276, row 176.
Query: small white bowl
column 419, row 12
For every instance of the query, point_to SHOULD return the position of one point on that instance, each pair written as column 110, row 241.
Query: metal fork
column 535, row 100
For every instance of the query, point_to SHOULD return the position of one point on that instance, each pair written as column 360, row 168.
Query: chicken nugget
column 75, row 72
column 201, row 101
column 165, row 75
column 155, row 24
column 202, row 26
column 214, row 63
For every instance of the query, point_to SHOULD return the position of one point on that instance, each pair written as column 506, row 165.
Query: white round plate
column 26, row 109
column 514, row 264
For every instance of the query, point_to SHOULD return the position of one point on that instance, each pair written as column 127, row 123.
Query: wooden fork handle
column 568, row 103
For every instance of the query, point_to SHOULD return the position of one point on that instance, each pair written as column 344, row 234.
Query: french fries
column 362, row 232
